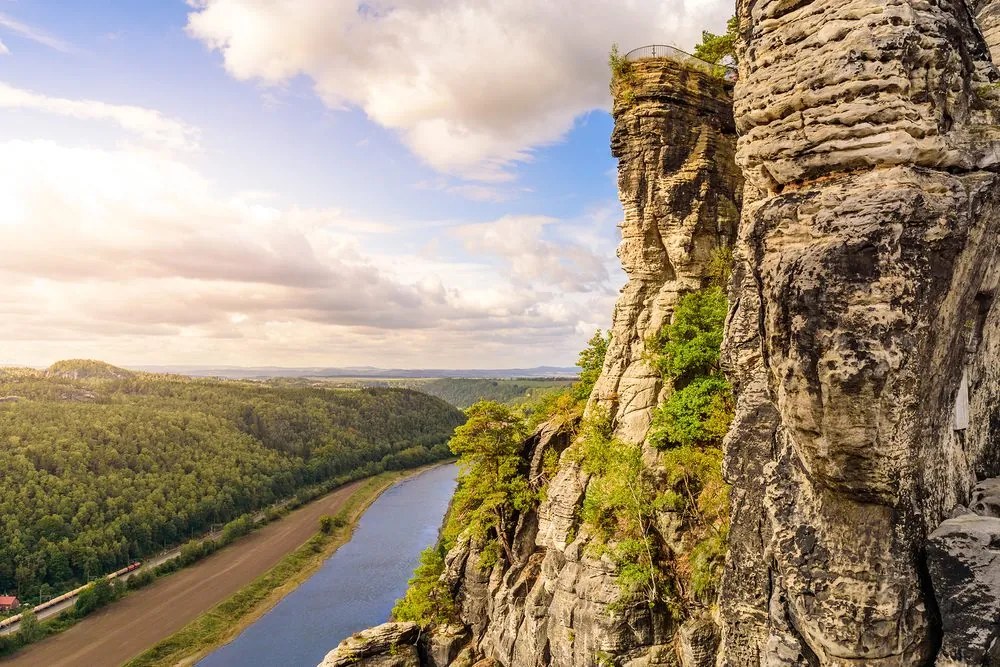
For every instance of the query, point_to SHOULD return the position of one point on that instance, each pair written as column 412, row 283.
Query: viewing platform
column 651, row 51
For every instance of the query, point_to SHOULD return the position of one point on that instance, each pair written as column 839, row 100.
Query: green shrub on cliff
column 686, row 352
column 622, row 77
column 427, row 600
column 720, row 49
column 620, row 507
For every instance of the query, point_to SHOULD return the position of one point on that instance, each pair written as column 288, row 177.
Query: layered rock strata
column 863, row 341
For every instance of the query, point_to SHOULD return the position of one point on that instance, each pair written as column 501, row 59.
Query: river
column 356, row 587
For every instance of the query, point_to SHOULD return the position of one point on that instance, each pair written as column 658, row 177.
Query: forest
column 101, row 466
column 463, row 392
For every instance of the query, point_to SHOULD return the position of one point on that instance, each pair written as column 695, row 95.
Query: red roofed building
column 8, row 603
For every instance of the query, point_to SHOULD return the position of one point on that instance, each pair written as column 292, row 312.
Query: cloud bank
column 471, row 86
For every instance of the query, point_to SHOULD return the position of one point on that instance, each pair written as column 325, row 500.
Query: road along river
column 356, row 587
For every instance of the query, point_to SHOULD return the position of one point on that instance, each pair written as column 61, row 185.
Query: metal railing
column 665, row 51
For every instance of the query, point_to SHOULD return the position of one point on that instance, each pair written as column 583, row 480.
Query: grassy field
column 225, row 621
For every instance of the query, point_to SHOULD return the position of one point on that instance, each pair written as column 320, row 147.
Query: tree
column 591, row 362
column 30, row 630
column 494, row 485
column 720, row 49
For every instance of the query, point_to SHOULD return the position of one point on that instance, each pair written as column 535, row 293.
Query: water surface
column 356, row 587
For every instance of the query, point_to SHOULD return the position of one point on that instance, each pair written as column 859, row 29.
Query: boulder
column 386, row 645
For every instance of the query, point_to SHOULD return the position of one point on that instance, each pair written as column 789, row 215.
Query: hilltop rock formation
column 863, row 340
column 681, row 192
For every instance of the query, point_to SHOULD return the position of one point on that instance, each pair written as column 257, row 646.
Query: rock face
column 678, row 183
column 675, row 142
column 863, row 314
column 963, row 556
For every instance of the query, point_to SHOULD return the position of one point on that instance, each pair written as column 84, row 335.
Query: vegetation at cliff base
column 665, row 525
column 103, row 467
column 494, row 485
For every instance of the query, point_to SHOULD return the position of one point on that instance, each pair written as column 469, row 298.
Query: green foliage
column 103, row 467
column 686, row 352
column 591, row 361
column 707, row 559
column 30, row 629
column 697, row 414
column 427, row 600
column 95, row 596
column 622, row 77
column 493, row 485
column 688, row 347
column 619, row 505
column 720, row 49
column 463, row 392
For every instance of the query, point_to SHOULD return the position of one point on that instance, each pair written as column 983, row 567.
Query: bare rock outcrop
column 963, row 555
column 863, row 317
column 386, row 645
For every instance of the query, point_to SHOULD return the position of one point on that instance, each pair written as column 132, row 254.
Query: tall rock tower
column 863, row 325
column 675, row 141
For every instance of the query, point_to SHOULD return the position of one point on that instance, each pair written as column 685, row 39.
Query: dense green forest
column 101, row 466
column 462, row 392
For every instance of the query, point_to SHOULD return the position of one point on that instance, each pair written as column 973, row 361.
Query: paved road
column 128, row 627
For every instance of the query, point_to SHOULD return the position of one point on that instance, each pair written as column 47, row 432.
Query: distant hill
column 102, row 466
column 463, row 392
column 86, row 369
column 237, row 372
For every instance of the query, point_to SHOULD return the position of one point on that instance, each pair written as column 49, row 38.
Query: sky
column 406, row 184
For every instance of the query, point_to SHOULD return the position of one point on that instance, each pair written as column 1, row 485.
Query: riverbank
column 225, row 622
column 153, row 614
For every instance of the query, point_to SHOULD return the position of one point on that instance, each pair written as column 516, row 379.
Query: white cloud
column 148, row 124
column 3, row 49
column 34, row 34
column 518, row 241
column 135, row 257
column 472, row 87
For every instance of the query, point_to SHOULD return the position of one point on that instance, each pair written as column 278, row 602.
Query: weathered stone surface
column 697, row 642
column 963, row 557
column 830, row 86
column 444, row 645
column 386, row 645
column 864, row 291
column 680, row 190
column 985, row 499
column 988, row 17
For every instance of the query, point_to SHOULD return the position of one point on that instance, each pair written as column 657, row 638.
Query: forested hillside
column 463, row 392
column 100, row 466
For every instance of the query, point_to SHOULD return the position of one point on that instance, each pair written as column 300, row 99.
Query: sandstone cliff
column 863, row 344
column 863, row 315
column 675, row 140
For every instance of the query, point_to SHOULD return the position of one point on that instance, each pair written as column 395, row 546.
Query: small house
column 8, row 603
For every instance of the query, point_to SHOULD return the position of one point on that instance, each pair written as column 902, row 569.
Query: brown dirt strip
column 119, row 632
